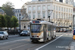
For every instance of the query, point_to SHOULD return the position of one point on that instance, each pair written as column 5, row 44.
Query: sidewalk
column 13, row 35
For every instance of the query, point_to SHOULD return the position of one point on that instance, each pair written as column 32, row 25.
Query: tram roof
column 43, row 22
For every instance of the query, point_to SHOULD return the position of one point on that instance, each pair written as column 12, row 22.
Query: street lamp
column 49, row 13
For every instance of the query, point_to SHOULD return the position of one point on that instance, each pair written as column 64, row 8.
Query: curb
column 13, row 35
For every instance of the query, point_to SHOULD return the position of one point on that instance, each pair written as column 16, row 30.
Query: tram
column 42, row 31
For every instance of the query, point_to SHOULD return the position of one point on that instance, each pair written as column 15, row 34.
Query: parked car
column 3, row 35
column 25, row 32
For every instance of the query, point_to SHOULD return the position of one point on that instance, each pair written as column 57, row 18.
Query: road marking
column 13, row 41
column 49, row 42
column 19, row 46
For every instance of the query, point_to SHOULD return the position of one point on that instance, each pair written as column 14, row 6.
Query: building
column 74, row 18
column 25, row 24
column 25, row 21
column 2, row 12
column 61, row 15
column 17, row 13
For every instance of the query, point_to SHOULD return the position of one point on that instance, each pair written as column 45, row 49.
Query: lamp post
column 49, row 13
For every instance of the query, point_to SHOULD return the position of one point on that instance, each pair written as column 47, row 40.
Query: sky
column 17, row 3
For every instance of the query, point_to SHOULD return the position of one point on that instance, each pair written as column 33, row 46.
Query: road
column 23, row 43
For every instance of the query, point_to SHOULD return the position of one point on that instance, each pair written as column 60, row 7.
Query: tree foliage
column 2, row 21
column 14, row 21
column 8, row 7
column 8, row 21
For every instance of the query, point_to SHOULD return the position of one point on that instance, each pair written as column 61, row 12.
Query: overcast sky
column 17, row 3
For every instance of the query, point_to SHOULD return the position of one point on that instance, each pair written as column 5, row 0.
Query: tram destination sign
column 36, row 22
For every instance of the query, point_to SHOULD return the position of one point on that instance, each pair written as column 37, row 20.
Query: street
column 23, row 43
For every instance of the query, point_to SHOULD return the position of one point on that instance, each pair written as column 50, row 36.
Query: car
column 3, row 35
column 24, row 32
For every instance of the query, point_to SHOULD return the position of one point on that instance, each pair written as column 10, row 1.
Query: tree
column 8, row 7
column 14, row 21
column 8, row 21
column 2, row 21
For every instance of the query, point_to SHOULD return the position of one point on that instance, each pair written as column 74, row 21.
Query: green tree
column 14, row 22
column 2, row 21
column 8, row 7
column 8, row 21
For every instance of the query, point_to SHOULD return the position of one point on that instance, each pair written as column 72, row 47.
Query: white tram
column 42, row 31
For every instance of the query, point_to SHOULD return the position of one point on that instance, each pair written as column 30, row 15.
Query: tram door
column 44, row 33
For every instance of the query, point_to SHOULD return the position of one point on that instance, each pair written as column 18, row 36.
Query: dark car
column 25, row 32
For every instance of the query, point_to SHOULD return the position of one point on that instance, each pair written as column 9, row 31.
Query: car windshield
column 35, row 28
column 24, row 31
column 1, row 33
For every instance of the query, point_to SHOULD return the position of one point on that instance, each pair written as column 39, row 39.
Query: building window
column 43, row 14
column 33, row 15
column 33, row 8
column 39, row 8
column 19, row 14
column 38, row 14
column 29, row 8
column 18, row 11
column 67, row 1
column 66, row 9
column 62, row 8
column 41, row 0
column 56, row 8
column 48, row 7
column 49, row 13
column 43, row 7
column 59, row 8
column 60, row 0
column 71, row 10
column 29, row 15
column 54, row 15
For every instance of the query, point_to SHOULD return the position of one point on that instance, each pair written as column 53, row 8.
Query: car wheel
column 3, row 38
column 7, row 37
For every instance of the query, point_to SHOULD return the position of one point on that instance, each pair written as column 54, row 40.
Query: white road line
column 13, row 41
column 49, row 42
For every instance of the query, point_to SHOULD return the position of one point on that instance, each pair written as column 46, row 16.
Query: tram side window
column 49, row 28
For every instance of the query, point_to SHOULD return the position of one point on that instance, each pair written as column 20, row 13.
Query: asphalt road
column 24, row 43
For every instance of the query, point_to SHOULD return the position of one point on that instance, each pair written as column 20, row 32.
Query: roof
column 1, row 11
column 44, row 22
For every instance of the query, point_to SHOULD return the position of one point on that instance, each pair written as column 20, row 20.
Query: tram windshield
column 35, row 28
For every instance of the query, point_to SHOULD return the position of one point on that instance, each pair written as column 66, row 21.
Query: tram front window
column 35, row 28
